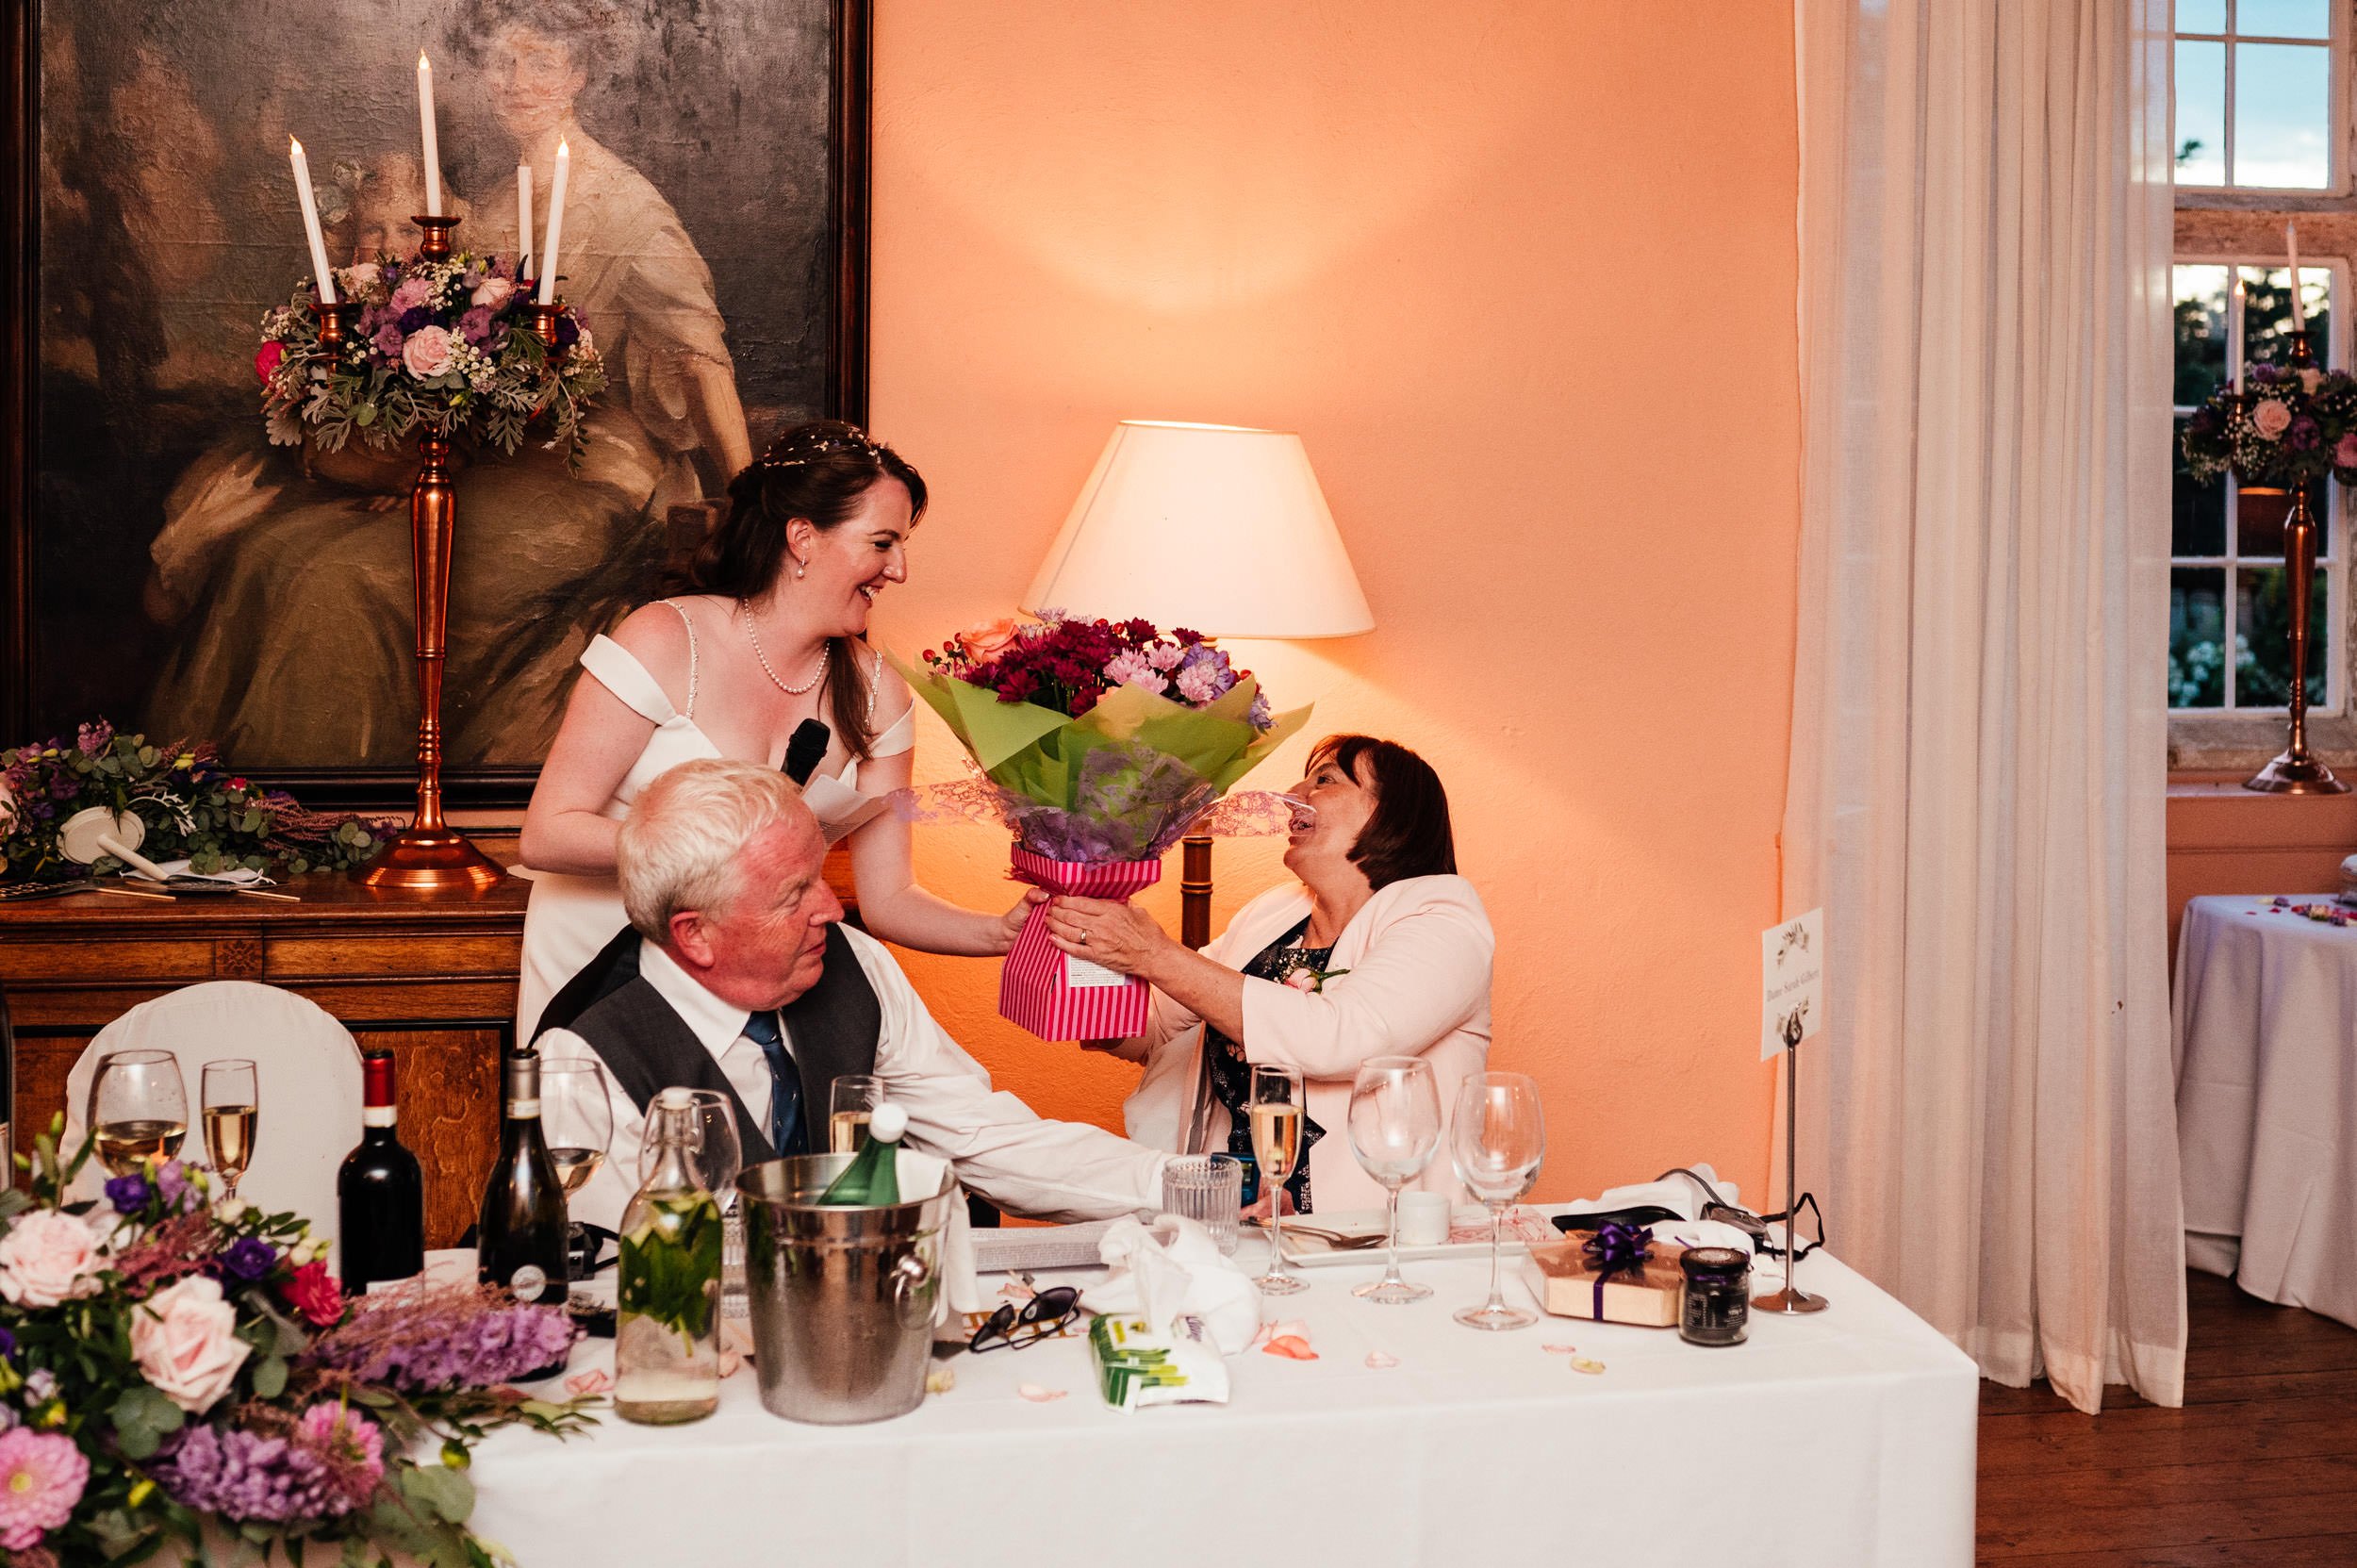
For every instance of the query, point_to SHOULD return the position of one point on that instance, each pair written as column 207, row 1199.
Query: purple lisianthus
column 387, row 339
column 64, row 786
column 2304, row 433
column 416, row 318
column 171, row 1182
column 128, row 1193
column 567, row 330
column 248, row 1257
column 7, row 1345
column 475, row 325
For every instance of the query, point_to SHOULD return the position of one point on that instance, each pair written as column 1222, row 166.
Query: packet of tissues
column 1138, row 1365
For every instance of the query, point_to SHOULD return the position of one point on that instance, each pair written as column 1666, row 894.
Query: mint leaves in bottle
column 667, row 1354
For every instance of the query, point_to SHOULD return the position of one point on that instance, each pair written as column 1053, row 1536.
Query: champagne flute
column 139, row 1109
column 1497, row 1138
column 1395, row 1131
column 233, row 1100
column 576, row 1117
column 1276, row 1111
column 851, row 1100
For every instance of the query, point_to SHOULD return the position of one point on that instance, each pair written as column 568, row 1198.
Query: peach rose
column 427, row 351
column 493, row 292
column 185, row 1340
column 364, row 277
column 986, row 639
column 2270, row 419
column 48, row 1258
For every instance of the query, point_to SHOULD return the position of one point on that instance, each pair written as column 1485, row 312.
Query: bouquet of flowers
column 443, row 345
column 1103, row 741
column 190, row 803
column 2281, row 427
column 172, row 1366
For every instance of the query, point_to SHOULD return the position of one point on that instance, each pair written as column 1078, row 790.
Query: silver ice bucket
column 843, row 1299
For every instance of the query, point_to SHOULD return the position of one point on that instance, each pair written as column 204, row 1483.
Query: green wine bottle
column 872, row 1179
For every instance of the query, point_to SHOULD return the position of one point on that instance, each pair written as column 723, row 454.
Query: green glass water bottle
column 872, row 1179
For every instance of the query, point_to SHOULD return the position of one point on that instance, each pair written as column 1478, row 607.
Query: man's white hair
column 680, row 846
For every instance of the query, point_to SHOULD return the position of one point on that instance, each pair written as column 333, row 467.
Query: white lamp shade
column 1208, row 526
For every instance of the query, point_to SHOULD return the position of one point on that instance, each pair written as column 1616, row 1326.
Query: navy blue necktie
column 785, row 1085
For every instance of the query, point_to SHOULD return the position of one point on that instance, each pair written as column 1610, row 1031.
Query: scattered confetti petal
column 1581, row 1363
column 1292, row 1347
column 941, row 1379
column 1039, row 1395
column 584, row 1385
column 1560, row 1349
column 1378, row 1360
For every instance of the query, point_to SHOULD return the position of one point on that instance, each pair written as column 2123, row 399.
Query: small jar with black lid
column 1718, row 1305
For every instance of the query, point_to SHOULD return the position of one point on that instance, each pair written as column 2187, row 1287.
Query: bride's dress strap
column 902, row 735
column 689, row 621
column 619, row 670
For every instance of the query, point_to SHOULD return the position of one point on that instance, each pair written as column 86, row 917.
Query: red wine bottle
column 519, row 1239
column 380, row 1194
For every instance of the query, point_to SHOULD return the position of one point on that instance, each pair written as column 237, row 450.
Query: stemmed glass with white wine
column 1395, row 1131
column 577, row 1119
column 1497, row 1139
column 233, row 1112
column 1276, row 1112
column 139, row 1109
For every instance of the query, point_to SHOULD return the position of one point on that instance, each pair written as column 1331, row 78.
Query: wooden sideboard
column 434, row 980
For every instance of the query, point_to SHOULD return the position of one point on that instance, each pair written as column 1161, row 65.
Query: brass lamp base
column 2290, row 774
column 1789, row 1299
column 430, row 860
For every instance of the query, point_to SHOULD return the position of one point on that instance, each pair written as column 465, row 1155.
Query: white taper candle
column 556, row 224
column 311, row 223
column 2291, row 243
column 523, row 215
column 433, row 143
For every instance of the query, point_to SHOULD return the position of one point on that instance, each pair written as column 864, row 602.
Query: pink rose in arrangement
column 2344, row 455
column 360, row 278
column 2270, row 418
column 313, row 1292
column 185, row 1340
column 986, row 639
column 427, row 353
column 1303, row 980
column 493, row 293
column 7, row 804
column 41, row 1477
column 265, row 358
column 48, row 1258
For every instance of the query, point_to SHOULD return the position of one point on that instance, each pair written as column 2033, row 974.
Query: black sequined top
column 1231, row 1075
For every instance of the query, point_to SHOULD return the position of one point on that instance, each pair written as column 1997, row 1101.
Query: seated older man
column 747, row 984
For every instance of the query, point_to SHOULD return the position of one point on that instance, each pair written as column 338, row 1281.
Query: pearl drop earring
column 801, row 569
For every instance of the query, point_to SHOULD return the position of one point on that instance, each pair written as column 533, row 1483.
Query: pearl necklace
column 745, row 614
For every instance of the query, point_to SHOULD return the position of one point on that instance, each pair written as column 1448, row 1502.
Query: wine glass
column 232, row 1099
column 1276, row 1111
column 139, row 1109
column 1394, row 1130
column 1498, row 1137
column 851, row 1100
column 576, row 1117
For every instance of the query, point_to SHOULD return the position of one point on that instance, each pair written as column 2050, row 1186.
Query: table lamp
column 1215, row 527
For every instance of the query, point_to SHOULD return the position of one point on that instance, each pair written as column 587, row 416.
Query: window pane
column 2266, row 313
column 2202, row 114
column 2200, row 332
column 2315, row 297
column 2263, row 620
column 2197, row 627
column 2201, row 16
column 2280, row 115
column 2269, row 18
column 2199, row 526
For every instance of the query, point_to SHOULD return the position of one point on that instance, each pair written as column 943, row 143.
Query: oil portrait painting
column 187, row 578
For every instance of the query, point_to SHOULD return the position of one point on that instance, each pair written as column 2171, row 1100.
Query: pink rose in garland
column 2270, row 419
column 41, row 1477
column 185, row 1340
column 426, row 354
column 48, row 1258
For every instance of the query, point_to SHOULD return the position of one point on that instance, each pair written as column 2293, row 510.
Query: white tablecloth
column 1845, row 1438
column 2266, row 1101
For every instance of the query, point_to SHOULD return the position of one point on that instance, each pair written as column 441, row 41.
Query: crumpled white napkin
column 242, row 875
column 1171, row 1268
column 1687, row 1198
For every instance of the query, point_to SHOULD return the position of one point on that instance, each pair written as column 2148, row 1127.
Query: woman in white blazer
column 1382, row 950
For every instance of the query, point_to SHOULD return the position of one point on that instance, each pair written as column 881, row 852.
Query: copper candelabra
column 2297, row 770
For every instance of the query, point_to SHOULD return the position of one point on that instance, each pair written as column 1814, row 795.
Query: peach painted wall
column 1521, row 276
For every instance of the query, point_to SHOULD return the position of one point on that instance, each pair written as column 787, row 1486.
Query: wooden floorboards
column 2258, row 1467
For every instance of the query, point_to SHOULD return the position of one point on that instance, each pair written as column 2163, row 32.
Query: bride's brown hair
column 818, row 472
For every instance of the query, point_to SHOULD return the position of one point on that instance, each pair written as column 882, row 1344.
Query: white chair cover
column 306, row 1070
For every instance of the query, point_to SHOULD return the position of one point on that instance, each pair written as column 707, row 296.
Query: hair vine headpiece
column 794, row 450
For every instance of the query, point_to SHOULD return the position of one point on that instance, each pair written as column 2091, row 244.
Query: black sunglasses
column 1010, row 1328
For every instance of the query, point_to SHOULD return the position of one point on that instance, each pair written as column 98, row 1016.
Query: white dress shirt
column 1001, row 1148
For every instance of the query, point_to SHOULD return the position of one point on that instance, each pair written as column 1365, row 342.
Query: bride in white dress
column 816, row 529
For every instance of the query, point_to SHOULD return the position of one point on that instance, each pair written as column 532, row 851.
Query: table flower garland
column 2278, row 426
column 171, row 1365
column 1103, row 741
column 441, row 345
column 190, row 802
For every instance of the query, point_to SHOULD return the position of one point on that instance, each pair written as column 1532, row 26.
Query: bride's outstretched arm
column 893, row 906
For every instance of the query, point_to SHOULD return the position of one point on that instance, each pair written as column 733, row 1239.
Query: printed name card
column 1792, row 983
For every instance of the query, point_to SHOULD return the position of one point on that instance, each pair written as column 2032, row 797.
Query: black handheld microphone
column 804, row 750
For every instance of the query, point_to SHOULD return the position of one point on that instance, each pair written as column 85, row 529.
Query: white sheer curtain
column 1979, row 733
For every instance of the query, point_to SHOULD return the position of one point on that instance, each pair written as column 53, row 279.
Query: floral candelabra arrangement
column 190, row 802
column 1102, row 742
column 173, row 1366
column 444, row 346
column 2282, row 426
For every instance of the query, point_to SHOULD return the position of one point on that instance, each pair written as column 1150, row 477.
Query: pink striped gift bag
column 1054, row 995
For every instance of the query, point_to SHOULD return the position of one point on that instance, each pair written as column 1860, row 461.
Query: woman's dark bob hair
column 1409, row 834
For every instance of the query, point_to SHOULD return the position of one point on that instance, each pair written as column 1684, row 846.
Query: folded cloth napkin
column 1171, row 1268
